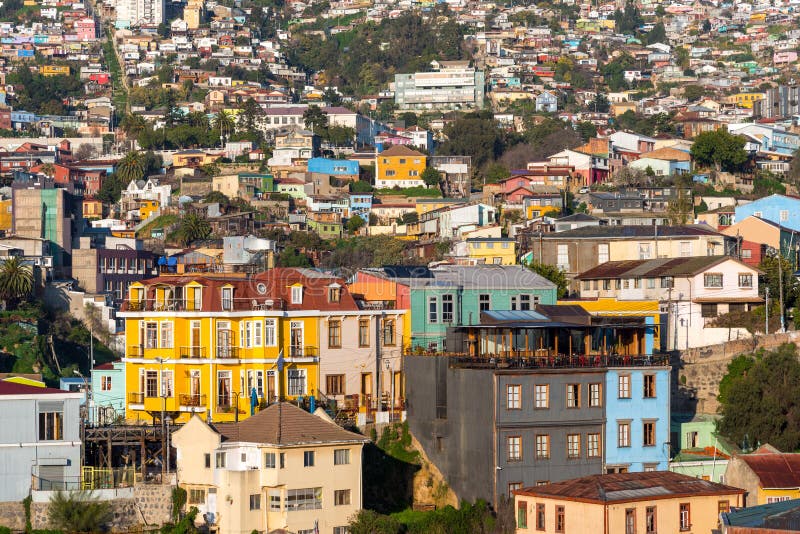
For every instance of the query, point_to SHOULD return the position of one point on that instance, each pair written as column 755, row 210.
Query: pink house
column 85, row 29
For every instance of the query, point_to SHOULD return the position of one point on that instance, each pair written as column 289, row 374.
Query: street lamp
column 390, row 368
column 163, row 395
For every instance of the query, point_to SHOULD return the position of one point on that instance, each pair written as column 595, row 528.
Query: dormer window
column 297, row 294
column 334, row 293
column 227, row 298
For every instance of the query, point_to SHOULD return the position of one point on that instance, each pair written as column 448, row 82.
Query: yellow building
column 746, row 100
column 194, row 158
column 399, row 166
column 147, row 208
column 208, row 343
column 644, row 312
column 6, row 215
column 492, row 250
column 54, row 70
column 655, row 501
column 247, row 477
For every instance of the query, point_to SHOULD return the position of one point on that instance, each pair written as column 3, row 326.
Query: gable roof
column 285, row 424
column 774, row 470
column 633, row 231
column 400, row 150
column 13, row 388
column 668, row 154
column 629, row 487
column 674, row 267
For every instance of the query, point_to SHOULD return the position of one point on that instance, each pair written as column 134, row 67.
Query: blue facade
column 632, row 402
column 335, row 167
column 108, row 393
column 361, row 204
column 778, row 209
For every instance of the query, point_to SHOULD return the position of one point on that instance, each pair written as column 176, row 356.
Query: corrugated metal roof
column 518, row 315
column 756, row 515
column 781, row 470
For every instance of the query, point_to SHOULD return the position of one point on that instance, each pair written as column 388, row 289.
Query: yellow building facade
column 399, row 166
column 222, row 346
column 492, row 251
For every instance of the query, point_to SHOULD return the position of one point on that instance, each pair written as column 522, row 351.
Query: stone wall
column 696, row 373
column 155, row 502
column 12, row 515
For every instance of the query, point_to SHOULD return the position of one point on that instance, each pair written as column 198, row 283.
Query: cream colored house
column 283, row 469
column 621, row 503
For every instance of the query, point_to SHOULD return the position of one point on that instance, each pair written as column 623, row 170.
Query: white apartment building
column 138, row 12
column 452, row 85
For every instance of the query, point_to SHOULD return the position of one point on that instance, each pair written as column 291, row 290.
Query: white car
column 583, row 190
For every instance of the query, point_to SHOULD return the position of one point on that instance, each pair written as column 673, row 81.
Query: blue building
column 108, row 393
column 779, row 209
column 637, row 419
column 340, row 168
column 361, row 204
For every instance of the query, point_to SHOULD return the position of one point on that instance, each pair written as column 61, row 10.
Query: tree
column 432, row 177
column 130, row 167
column 193, row 227
column 223, row 122
column 110, row 190
column 315, row 119
column 657, row 35
column 354, row 224
column 778, row 271
column 554, row 274
column 680, row 210
column 693, row 92
column 16, row 281
column 761, row 404
column 477, row 135
column 48, row 169
column 78, row 512
column 600, row 104
column 495, row 172
column 290, row 257
column 721, row 149
column 85, row 151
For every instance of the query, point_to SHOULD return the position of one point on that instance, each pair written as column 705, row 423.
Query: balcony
column 193, row 352
column 303, row 352
column 188, row 400
column 539, row 360
column 135, row 351
column 227, row 352
column 135, row 398
column 169, row 305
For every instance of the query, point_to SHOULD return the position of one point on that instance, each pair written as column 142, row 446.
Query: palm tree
column 224, row 123
column 78, row 512
column 16, row 281
column 48, row 169
column 133, row 125
column 131, row 167
column 193, row 227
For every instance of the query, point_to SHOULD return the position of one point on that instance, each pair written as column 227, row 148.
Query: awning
column 728, row 300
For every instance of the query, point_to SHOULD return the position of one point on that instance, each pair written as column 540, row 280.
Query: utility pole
column 780, row 288
column 766, row 312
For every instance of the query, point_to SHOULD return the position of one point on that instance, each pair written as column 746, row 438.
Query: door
column 224, row 339
column 366, row 389
column 272, row 392
column 194, row 388
column 296, row 338
column 194, row 339
column 211, row 504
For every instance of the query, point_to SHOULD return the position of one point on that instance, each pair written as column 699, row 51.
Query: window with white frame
column 595, row 395
column 297, row 382
column 562, row 259
column 341, row 457
column 542, row 446
column 303, row 499
column 514, row 448
column 433, row 312
column 712, row 279
column 573, row 446
column 297, row 294
column 623, row 434
column 167, row 338
column 269, row 333
column 227, row 298
column 624, row 386
column 541, row 396
column 602, row 253
column 513, row 397
column 593, row 445
column 166, row 383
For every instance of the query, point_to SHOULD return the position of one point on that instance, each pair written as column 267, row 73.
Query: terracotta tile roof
column 400, row 150
column 781, row 470
column 654, row 268
column 668, row 154
column 629, row 487
column 284, row 423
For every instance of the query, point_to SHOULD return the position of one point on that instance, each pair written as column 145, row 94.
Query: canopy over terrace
column 548, row 332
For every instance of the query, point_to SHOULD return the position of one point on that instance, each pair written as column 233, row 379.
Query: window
column 105, row 383
column 708, row 310
column 51, row 424
column 666, row 282
column 712, row 280
column 227, row 298
column 197, row 496
column 334, row 334
column 624, row 434
column 255, row 502
column 747, row 254
column 297, row 294
column 363, row 332
column 151, row 384
column 595, row 395
column 304, row 499
column 649, row 387
column 624, row 387
column 512, row 487
column 274, row 497
column 686, row 249
column 341, row 530
column 606, row 285
column 540, row 516
column 541, row 396
column 220, row 460
column 166, row 335
column 150, row 335
column 649, row 468
column 630, row 521
column 644, row 251
column 651, row 283
column 593, row 445
column 685, row 516
column 522, row 514
column 269, row 460
column 650, row 520
column 269, row 332
column 560, row 519
column 166, row 383
column 334, row 294
column 602, row 253
column 649, row 433
column 784, row 215
column 341, row 497
column 223, row 388
column 514, row 446
column 387, row 332
column 771, row 500
column 433, row 311
column 745, row 280
column 257, row 331
column 297, row 382
column 334, row 384
column 573, row 395
column 573, row 446
column 542, row 446
column 562, row 257
column 723, row 507
column 513, row 397
column 484, row 302
column 524, row 302
column 308, row 458
column 207, row 458
column 447, row 309
column 341, row 457
column 282, row 460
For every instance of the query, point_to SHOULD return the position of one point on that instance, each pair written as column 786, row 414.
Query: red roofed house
column 767, row 474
